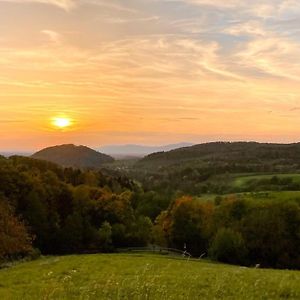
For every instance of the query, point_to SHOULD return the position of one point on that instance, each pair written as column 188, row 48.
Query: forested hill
column 212, row 167
column 237, row 152
column 73, row 156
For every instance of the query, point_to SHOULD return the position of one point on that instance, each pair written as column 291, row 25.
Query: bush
column 228, row 246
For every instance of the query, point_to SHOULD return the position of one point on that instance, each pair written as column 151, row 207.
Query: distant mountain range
column 228, row 155
column 11, row 153
column 73, row 156
column 131, row 150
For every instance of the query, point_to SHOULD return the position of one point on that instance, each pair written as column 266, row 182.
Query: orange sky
column 148, row 71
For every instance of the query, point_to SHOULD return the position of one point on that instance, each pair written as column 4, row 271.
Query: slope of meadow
column 142, row 276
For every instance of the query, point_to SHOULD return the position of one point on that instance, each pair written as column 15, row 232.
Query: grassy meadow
column 258, row 196
column 245, row 180
column 142, row 276
column 264, row 196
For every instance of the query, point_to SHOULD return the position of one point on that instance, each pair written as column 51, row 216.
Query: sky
column 148, row 71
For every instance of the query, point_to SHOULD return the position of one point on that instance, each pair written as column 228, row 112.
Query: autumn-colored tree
column 186, row 223
column 14, row 238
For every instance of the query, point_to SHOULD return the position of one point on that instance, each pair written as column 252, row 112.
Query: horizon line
column 29, row 151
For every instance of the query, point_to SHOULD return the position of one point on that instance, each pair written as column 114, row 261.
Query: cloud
column 111, row 20
column 295, row 109
column 68, row 5
column 11, row 121
column 64, row 4
column 111, row 4
column 272, row 54
column 248, row 28
column 53, row 36
column 255, row 8
column 214, row 3
column 118, row 63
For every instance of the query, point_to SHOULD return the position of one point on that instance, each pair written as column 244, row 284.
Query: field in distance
column 244, row 181
column 143, row 276
column 258, row 196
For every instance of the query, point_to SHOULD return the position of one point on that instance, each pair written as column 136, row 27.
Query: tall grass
column 124, row 276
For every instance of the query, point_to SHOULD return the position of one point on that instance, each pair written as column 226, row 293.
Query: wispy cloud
column 273, row 55
column 64, row 4
column 175, row 67
column 70, row 4
column 53, row 36
column 11, row 121
column 111, row 4
column 256, row 8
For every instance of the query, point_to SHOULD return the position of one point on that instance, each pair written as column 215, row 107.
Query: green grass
column 142, row 276
column 242, row 181
column 259, row 196
column 272, row 195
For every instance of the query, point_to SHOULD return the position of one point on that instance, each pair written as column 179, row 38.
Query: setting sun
column 61, row 122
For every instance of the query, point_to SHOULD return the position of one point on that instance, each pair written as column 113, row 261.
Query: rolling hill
column 212, row 167
column 227, row 151
column 73, row 156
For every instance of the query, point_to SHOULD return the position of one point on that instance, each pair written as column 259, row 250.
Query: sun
column 61, row 122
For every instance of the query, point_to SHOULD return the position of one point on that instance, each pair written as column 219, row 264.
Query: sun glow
column 61, row 122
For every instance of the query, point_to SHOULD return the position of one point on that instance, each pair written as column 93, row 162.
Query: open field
column 242, row 181
column 261, row 196
column 271, row 195
column 142, row 276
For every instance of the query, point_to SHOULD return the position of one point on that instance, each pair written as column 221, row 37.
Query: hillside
column 214, row 167
column 143, row 276
column 237, row 152
column 73, row 156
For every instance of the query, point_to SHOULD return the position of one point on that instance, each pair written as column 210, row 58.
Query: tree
column 72, row 233
column 35, row 214
column 105, row 237
column 140, row 231
column 14, row 238
column 187, row 221
column 272, row 235
column 228, row 246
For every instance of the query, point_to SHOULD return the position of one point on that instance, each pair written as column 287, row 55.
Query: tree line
column 53, row 210
column 234, row 230
column 63, row 210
